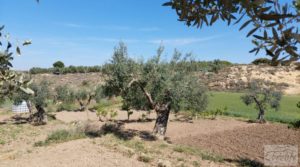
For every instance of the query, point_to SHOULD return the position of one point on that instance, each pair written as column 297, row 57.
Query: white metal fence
column 21, row 108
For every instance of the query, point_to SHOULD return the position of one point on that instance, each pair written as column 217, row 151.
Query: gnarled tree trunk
column 38, row 118
column 161, row 123
column 261, row 113
column 261, row 116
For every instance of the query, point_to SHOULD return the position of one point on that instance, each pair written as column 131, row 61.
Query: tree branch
column 148, row 96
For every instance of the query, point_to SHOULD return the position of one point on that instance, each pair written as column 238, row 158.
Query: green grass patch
column 2, row 142
column 287, row 113
column 197, row 152
column 61, row 136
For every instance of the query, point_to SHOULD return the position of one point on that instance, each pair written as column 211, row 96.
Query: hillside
column 234, row 78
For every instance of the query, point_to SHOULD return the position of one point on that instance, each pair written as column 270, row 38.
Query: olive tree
column 263, row 96
column 83, row 95
column 154, row 85
column 38, row 100
column 274, row 25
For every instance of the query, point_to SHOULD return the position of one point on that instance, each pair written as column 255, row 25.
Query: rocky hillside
column 234, row 78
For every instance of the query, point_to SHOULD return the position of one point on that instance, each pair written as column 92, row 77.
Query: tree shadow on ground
column 25, row 119
column 118, row 130
column 16, row 119
column 136, row 120
column 245, row 162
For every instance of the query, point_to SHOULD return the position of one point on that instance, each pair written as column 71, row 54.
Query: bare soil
column 232, row 139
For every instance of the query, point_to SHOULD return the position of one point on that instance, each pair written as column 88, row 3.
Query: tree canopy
column 274, row 25
column 155, row 85
column 58, row 64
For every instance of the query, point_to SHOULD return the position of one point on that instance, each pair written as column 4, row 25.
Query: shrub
column 103, row 108
column 262, row 61
column 295, row 124
column 212, row 114
column 144, row 158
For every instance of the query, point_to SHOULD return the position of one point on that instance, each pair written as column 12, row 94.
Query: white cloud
column 108, row 27
column 183, row 41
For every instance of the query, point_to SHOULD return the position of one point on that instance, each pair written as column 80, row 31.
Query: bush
column 212, row 114
column 295, row 124
column 262, row 61
column 103, row 109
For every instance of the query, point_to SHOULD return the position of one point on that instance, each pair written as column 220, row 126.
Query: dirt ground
column 232, row 139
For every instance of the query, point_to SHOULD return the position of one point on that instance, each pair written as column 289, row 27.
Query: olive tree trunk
column 261, row 113
column 161, row 122
column 261, row 116
column 38, row 118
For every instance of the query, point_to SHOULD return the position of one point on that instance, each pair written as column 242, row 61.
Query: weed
column 144, row 158
column 196, row 163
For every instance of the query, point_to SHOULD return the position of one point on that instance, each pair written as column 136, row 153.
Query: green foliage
column 120, row 72
column 65, row 94
column 66, row 107
column 40, row 97
column 262, row 95
column 287, row 113
column 264, row 61
column 67, row 70
column 104, row 108
column 295, row 124
column 163, row 82
column 10, row 81
column 212, row 114
column 216, row 66
column 60, row 136
column 99, row 94
column 144, row 158
column 58, row 64
column 194, row 151
column 275, row 20
column 298, row 104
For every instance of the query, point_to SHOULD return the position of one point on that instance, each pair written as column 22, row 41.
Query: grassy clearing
column 287, row 113
column 60, row 136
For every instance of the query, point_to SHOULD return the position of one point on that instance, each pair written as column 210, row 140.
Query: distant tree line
column 192, row 65
column 66, row 70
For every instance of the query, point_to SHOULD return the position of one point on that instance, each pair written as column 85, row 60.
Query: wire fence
column 21, row 108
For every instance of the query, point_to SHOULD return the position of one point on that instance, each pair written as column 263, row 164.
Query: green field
column 287, row 113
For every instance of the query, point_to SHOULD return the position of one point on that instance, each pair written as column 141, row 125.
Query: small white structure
column 21, row 108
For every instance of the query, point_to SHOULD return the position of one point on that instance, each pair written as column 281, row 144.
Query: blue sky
column 81, row 32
